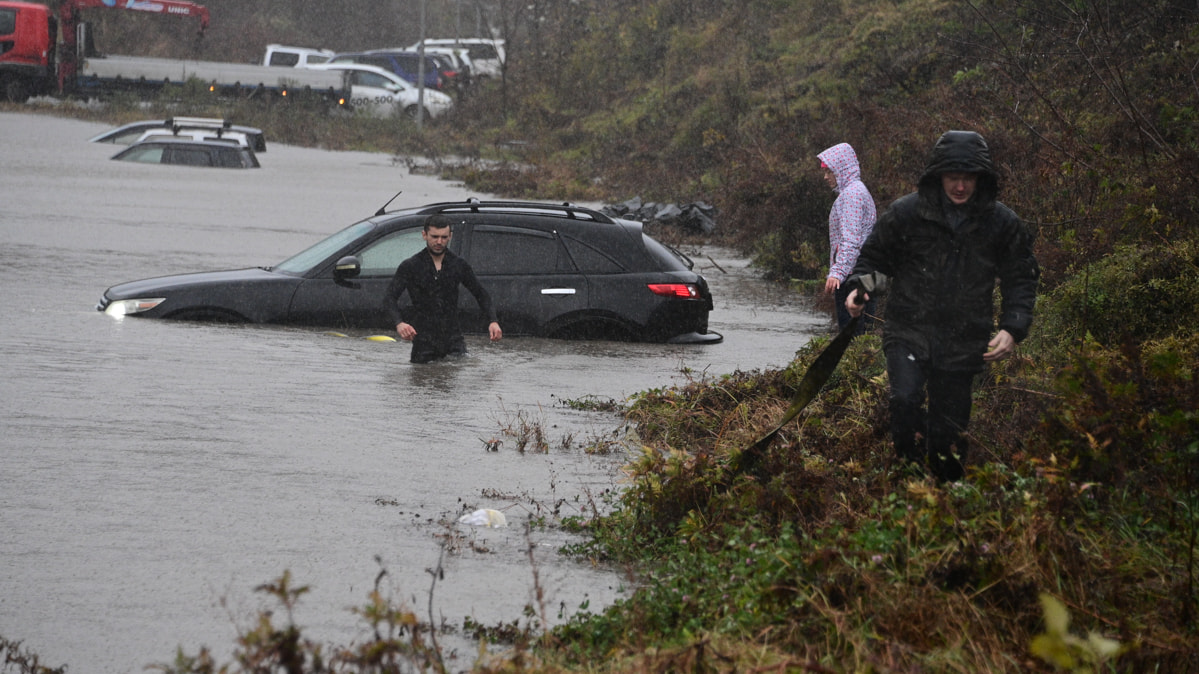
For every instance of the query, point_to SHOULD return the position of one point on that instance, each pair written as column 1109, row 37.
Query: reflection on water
column 155, row 472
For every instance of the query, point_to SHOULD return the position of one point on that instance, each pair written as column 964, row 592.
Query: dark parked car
column 406, row 64
column 452, row 79
column 552, row 270
column 188, row 152
column 130, row 133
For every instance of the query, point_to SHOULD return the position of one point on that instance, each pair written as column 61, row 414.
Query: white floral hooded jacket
column 853, row 214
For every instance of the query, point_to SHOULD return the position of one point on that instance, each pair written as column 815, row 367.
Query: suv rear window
column 231, row 158
column 590, row 259
column 668, row 258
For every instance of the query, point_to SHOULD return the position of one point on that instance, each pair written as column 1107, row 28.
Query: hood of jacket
column 843, row 162
column 960, row 152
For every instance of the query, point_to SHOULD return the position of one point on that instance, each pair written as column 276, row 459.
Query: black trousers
column 930, row 409
column 428, row 348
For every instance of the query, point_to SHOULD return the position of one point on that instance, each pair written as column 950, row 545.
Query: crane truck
column 33, row 62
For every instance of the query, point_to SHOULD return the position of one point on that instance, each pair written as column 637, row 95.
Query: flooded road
column 154, row 473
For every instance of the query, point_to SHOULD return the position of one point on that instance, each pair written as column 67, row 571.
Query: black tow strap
column 813, row 380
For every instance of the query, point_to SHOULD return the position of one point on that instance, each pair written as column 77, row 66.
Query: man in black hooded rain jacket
column 943, row 248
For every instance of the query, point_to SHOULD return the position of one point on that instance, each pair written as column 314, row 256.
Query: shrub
column 1135, row 294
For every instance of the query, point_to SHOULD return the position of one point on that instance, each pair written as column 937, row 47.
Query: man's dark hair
column 437, row 221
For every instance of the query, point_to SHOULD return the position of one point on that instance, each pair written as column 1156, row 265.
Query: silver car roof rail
column 198, row 122
column 476, row 205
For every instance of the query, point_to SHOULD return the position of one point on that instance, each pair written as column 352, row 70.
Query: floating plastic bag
column 485, row 517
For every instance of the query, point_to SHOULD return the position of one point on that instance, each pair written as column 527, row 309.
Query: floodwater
column 154, row 473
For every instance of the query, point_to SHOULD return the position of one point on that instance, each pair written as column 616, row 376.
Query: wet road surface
column 156, row 472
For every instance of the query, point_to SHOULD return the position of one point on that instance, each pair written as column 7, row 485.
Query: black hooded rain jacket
column 942, row 278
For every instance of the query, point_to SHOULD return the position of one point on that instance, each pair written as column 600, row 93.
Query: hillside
column 1090, row 107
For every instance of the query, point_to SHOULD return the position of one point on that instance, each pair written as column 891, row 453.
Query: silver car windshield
column 302, row 262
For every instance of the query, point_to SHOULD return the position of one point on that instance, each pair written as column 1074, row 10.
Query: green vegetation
column 1082, row 494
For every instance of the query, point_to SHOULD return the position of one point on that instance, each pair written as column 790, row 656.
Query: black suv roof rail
column 475, row 205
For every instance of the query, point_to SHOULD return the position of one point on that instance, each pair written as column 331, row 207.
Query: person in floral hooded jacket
column 849, row 223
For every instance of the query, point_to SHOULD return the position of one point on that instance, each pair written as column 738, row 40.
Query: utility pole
column 420, row 73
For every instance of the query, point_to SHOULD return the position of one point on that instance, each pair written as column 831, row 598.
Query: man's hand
column 1000, row 347
column 405, row 331
column 494, row 331
column 831, row 284
column 852, row 306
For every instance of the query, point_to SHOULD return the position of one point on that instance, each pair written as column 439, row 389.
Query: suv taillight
column 683, row 290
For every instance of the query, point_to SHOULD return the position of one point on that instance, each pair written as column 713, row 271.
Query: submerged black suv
column 552, row 270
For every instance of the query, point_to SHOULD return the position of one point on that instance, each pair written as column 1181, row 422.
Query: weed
column 1065, row 651
column 529, row 435
column 590, row 403
column 21, row 661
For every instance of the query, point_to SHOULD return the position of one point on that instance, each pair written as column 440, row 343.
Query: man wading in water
column 943, row 247
column 431, row 278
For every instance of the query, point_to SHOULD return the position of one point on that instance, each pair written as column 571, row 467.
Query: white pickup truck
column 294, row 57
column 141, row 74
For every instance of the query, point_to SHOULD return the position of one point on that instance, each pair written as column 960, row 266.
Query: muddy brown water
column 154, row 473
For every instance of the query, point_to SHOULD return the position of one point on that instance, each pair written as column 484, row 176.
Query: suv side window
column 188, row 156
column 380, row 61
column 368, row 79
column 589, row 259
column 383, row 256
column 151, row 154
column 515, row 250
column 407, row 62
column 482, row 51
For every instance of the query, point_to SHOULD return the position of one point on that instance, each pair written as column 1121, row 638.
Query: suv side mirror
column 346, row 268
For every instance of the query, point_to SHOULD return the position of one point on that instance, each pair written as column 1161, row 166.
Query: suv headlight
column 126, row 307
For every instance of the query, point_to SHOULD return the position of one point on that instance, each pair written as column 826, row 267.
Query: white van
column 294, row 57
column 486, row 56
column 382, row 93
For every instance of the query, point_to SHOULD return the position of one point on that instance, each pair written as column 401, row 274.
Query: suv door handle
column 557, row 291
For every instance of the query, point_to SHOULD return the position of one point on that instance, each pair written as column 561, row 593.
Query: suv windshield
column 303, row 262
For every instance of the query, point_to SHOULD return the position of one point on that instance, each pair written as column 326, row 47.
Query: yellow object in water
column 336, row 334
column 381, row 338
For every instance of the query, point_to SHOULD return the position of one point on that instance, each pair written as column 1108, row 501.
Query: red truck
column 33, row 62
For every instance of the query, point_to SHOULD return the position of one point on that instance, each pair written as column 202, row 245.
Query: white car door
column 375, row 94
